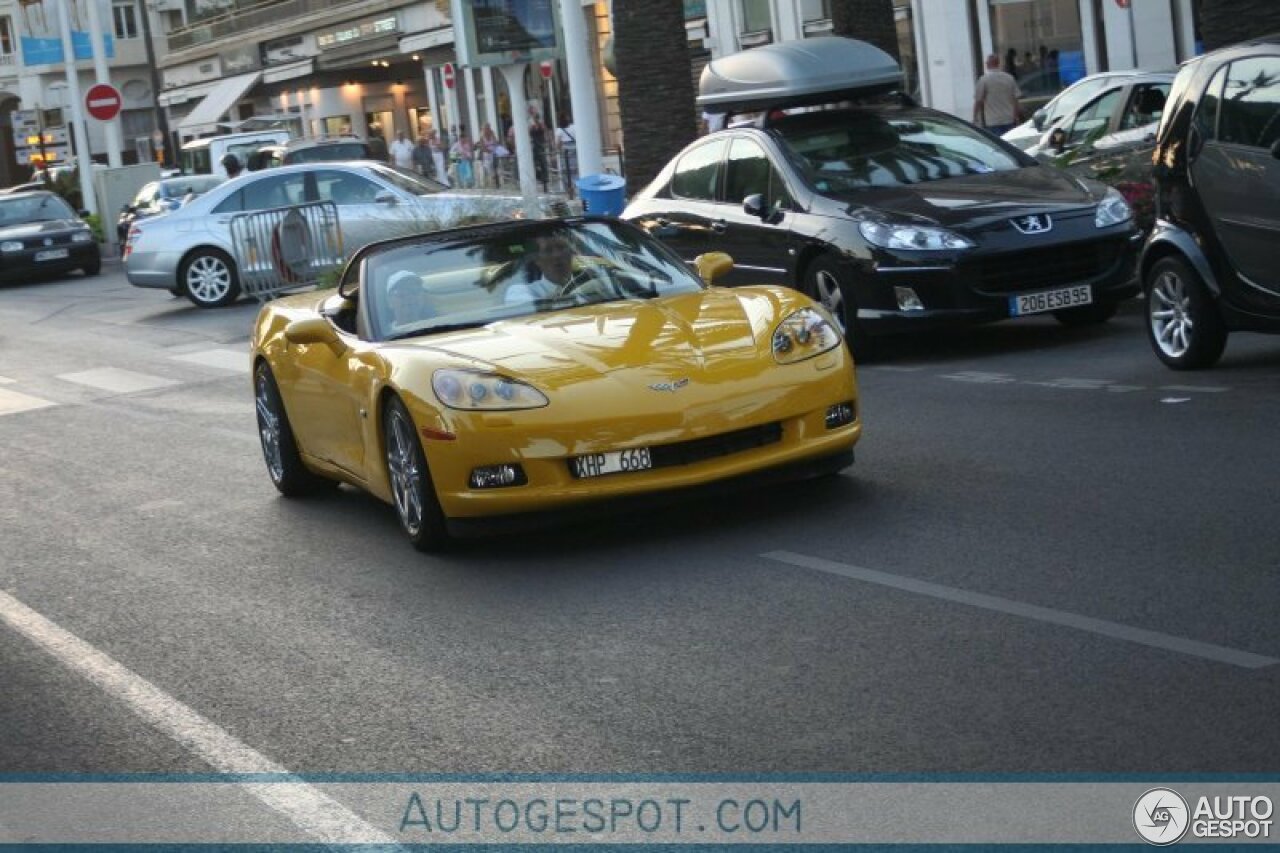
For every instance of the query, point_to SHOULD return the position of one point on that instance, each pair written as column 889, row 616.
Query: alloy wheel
column 406, row 472
column 269, row 427
column 1170, row 314
column 208, row 279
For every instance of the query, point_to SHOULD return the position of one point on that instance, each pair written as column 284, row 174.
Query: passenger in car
column 407, row 299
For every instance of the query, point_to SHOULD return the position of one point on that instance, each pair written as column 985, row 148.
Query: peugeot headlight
column 803, row 334
column 85, row 236
column 11, row 246
column 1112, row 210
column 470, row 389
column 912, row 237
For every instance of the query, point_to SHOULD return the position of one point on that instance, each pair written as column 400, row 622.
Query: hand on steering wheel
column 579, row 280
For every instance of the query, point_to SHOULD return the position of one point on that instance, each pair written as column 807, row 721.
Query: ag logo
column 1161, row 816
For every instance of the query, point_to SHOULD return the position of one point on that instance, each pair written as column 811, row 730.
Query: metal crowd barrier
column 286, row 248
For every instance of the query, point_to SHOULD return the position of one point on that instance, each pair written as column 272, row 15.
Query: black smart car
column 1208, row 266
column 893, row 216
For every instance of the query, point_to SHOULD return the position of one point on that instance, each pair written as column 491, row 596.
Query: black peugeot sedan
column 1209, row 266
column 40, row 234
column 895, row 217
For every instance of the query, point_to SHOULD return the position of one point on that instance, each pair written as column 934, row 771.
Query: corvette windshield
column 503, row 274
column 851, row 149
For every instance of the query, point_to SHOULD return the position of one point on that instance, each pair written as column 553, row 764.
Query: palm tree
column 868, row 20
column 1224, row 22
column 655, row 89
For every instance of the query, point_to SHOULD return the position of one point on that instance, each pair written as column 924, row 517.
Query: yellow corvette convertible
column 485, row 377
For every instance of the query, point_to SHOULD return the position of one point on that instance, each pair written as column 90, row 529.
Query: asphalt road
column 1052, row 555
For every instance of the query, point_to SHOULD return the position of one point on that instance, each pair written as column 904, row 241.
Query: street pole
column 1133, row 36
column 84, row 162
column 162, row 121
column 582, row 88
column 98, row 47
column 514, row 77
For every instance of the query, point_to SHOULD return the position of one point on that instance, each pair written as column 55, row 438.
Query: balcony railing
column 242, row 18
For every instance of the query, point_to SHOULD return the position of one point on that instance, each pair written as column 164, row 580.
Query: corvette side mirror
column 712, row 265
column 312, row 330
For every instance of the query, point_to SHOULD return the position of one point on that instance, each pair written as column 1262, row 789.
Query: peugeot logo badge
column 48, row 241
column 1036, row 223
column 670, row 386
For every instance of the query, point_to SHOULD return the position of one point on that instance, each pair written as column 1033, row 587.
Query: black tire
column 1089, row 315
column 208, row 277
column 93, row 267
column 826, row 283
column 413, row 493
column 279, row 448
column 1184, row 326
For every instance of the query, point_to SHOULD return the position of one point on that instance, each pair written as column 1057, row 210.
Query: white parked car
column 1064, row 104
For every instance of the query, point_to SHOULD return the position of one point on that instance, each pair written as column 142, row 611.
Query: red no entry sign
column 448, row 75
column 103, row 102
column 545, row 69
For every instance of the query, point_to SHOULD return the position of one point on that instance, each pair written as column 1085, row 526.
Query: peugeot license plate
column 614, row 462
column 1050, row 300
column 52, row 254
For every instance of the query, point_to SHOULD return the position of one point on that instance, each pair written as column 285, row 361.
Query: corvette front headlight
column 912, row 237
column 473, row 390
column 1112, row 210
column 803, row 334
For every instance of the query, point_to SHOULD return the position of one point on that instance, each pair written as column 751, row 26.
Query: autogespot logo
column 1161, row 816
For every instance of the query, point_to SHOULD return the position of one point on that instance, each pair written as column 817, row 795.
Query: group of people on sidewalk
column 485, row 162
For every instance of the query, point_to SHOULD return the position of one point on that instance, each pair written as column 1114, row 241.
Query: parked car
column 894, row 217
column 1209, row 267
column 1063, row 104
column 190, row 251
column 1122, row 117
column 163, row 196
column 320, row 150
column 40, row 233
column 204, row 156
column 478, row 397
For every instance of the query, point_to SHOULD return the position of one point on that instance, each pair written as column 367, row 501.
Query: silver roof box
column 797, row 73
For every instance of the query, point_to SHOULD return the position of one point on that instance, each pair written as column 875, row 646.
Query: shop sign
column 358, row 32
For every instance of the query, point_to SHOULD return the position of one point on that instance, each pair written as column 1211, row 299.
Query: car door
column 1137, row 119
column 681, row 217
column 367, row 210
column 760, row 239
column 1093, row 121
column 260, row 193
column 326, row 398
column 1237, row 174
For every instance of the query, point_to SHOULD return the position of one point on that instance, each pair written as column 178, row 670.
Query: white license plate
column 1050, row 300
column 614, row 462
column 52, row 254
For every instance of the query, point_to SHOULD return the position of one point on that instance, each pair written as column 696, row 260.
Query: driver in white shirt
column 554, row 257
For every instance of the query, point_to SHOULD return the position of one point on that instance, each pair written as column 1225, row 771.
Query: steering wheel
column 580, row 280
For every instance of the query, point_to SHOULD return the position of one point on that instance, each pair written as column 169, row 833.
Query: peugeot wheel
column 279, row 449
column 412, row 491
column 824, row 283
column 1183, row 324
column 209, row 278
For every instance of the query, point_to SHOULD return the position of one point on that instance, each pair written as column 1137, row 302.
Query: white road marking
column 15, row 401
column 1074, row 384
column 306, row 807
column 5, row 380
column 116, row 380
column 1175, row 400
column 1115, row 630
column 224, row 359
column 980, row 377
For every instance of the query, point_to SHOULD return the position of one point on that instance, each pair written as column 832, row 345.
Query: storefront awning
column 217, row 103
column 293, row 70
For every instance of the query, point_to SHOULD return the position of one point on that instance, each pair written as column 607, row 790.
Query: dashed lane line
column 223, row 359
column 12, row 402
column 1101, row 627
column 308, row 808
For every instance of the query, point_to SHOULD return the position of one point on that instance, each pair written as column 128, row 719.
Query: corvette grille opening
column 713, row 446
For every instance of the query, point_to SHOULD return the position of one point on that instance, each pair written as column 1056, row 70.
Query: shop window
column 757, row 25
column 6, row 38
column 1039, row 42
column 815, row 10
column 125, row 17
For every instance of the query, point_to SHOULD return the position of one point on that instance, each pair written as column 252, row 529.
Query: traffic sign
column 103, row 101
column 448, row 75
column 545, row 69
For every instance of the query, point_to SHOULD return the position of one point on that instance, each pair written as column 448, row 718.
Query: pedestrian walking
column 402, row 151
column 437, row 158
column 422, row 157
column 995, row 102
column 567, row 141
column 462, row 153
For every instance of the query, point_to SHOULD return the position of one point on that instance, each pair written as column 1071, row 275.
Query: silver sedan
column 189, row 251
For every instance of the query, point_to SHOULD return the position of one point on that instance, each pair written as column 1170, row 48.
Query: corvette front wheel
column 279, row 449
column 412, row 491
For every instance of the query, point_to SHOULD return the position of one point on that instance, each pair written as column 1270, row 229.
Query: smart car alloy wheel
column 1185, row 328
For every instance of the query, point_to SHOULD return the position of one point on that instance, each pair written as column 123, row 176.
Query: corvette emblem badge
column 670, row 386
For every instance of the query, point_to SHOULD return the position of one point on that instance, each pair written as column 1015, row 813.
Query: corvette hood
column 673, row 337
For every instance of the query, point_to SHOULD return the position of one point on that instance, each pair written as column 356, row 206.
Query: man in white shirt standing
column 995, row 101
column 402, row 151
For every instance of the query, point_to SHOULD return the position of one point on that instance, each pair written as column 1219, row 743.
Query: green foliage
column 94, row 221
